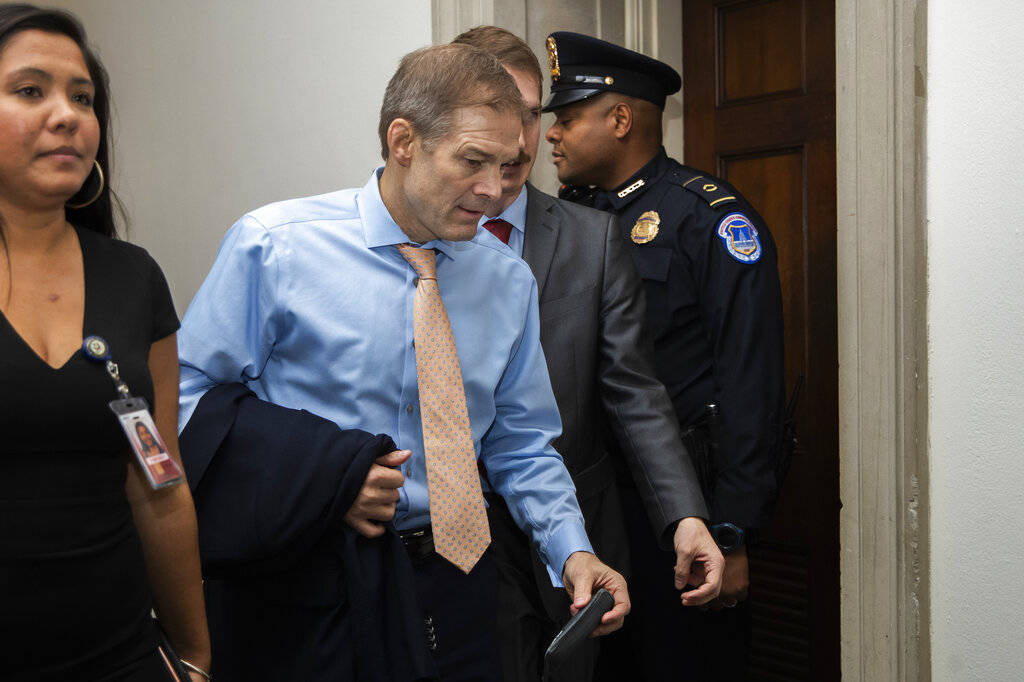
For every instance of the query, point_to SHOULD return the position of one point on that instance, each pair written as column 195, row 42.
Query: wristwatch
column 728, row 537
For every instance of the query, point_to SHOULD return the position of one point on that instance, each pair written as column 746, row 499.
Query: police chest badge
column 646, row 228
column 739, row 236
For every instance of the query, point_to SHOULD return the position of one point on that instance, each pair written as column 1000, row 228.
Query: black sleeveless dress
column 74, row 600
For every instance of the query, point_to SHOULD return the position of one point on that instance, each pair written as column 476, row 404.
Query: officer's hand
column 699, row 562
column 736, row 581
column 583, row 575
column 375, row 504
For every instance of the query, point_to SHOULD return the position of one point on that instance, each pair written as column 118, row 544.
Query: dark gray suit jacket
column 591, row 329
column 615, row 416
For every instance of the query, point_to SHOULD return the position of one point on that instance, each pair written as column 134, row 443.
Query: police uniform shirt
column 714, row 310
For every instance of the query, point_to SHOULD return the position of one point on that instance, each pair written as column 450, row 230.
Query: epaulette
column 706, row 188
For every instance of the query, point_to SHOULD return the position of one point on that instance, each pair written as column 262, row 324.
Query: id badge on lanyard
column 150, row 450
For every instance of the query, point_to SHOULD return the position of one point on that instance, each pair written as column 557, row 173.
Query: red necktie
column 499, row 228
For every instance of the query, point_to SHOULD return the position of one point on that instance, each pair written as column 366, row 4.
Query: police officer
column 714, row 309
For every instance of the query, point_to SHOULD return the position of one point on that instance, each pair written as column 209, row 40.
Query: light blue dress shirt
column 514, row 215
column 310, row 304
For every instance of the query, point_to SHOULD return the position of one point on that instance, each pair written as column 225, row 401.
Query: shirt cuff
column 571, row 537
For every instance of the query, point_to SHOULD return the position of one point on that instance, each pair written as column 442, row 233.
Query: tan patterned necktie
column 457, row 511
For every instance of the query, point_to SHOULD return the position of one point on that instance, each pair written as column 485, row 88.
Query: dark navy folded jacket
column 292, row 591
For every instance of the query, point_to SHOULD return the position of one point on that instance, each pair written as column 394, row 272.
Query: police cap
column 582, row 67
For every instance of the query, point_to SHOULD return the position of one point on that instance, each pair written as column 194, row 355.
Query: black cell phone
column 576, row 631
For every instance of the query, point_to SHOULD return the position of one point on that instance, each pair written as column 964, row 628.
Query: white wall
column 975, row 143
column 224, row 106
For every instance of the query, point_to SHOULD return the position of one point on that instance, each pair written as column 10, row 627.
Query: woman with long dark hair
column 87, row 547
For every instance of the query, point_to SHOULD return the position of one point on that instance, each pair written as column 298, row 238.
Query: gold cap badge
column 646, row 227
column 553, row 58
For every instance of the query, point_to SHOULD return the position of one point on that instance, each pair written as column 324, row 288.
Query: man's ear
column 620, row 119
column 402, row 141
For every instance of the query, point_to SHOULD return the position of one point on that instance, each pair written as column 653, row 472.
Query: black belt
column 419, row 542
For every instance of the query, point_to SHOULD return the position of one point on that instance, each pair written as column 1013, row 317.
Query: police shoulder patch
column 739, row 236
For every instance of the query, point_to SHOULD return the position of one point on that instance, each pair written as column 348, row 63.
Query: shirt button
column 408, row 409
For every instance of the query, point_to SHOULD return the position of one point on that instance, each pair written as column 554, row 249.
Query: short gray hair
column 433, row 82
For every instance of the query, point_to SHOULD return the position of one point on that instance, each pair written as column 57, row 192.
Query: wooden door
column 759, row 103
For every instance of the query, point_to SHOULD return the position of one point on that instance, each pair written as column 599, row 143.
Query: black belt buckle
column 419, row 542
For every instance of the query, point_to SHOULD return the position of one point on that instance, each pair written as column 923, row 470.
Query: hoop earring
column 99, row 190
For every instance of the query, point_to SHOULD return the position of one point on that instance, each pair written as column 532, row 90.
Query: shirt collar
column 514, row 215
column 380, row 229
column 638, row 184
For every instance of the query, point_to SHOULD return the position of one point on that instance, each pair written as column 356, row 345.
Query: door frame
column 881, row 58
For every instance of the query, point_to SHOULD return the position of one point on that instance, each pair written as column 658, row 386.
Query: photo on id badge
column 149, row 447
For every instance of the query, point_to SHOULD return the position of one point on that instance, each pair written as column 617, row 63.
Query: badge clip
column 136, row 421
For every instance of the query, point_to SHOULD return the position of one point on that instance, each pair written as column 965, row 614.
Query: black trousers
column 459, row 617
column 526, row 624
column 662, row 640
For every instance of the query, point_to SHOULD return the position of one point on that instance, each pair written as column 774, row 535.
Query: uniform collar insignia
column 632, row 188
column 626, row 193
column 644, row 179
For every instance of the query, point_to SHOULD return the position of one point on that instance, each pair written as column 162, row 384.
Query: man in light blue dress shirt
column 310, row 304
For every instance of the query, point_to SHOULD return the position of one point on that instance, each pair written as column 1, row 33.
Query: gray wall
column 224, row 106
